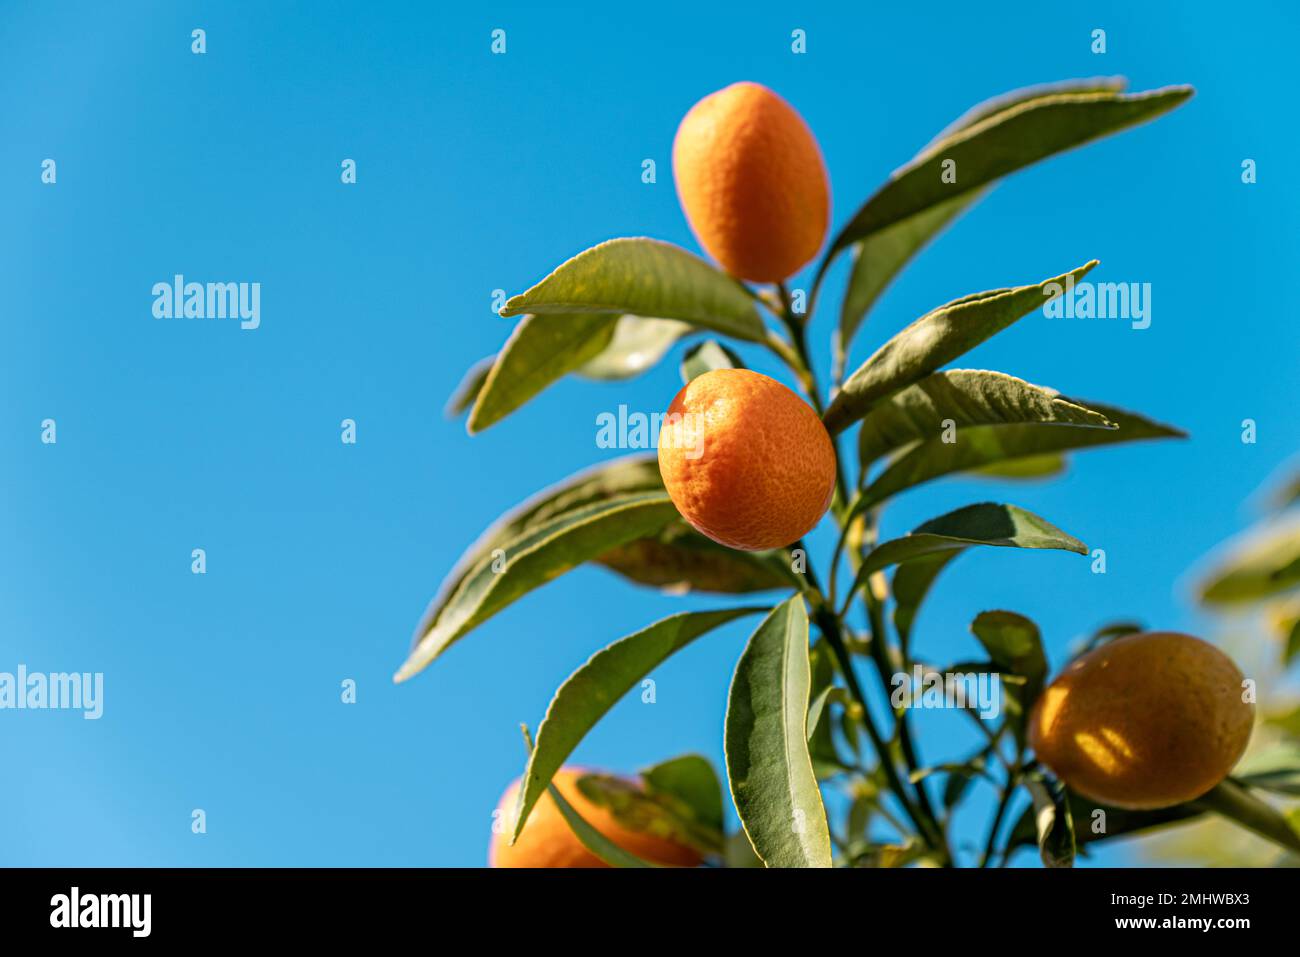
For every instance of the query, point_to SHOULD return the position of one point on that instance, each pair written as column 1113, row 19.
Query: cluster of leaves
column 798, row 718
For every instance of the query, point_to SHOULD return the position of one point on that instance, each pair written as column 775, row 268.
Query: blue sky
column 478, row 172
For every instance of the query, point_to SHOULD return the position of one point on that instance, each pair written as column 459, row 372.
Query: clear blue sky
column 478, row 172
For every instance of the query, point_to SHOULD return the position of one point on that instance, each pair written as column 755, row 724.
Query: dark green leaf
column 936, row 339
column 982, row 445
column 1276, row 769
column 642, row 811
column 691, row 780
column 533, row 558
column 645, row 277
column 961, row 398
column 1016, row 646
column 1028, row 467
column 588, row 694
column 1000, row 143
column 766, row 742
column 983, row 524
column 1233, row 801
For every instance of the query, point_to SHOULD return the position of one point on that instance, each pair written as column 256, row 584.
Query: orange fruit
column 1146, row 721
column 548, row 841
column 752, row 183
column 745, row 460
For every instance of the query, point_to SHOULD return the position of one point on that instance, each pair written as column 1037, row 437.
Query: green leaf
column 1229, row 799
column 1002, row 142
column 1053, row 821
column 982, row 445
column 680, row 560
column 1013, row 642
column 533, row 558
column 691, row 780
column 1107, row 633
column 1016, row 646
column 964, row 397
column 469, row 387
column 983, row 524
column 883, row 253
column 588, row 836
column 1265, row 563
column 541, row 350
column 1276, row 769
column 655, row 813
column 637, row 344
column 645, row 277
column 936, row 339
column 588, row 694
column 1029, row 467
column 766, row 742
column 911, row 584
column 707, row 356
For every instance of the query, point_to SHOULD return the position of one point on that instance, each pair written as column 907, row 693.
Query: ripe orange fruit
column 752, row 183
column 1146, row 721
column 548, row 841
column 745, row 460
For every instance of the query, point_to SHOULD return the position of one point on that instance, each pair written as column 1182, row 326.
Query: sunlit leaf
column 936, row 339
column 706, row 357
column 645, row 277
column 588, row 694
column 637, row 344
column 766, row 742
column 1265, row 563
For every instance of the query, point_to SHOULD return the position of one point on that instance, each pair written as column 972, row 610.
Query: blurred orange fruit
column 745, row 460
column 1145, row 721
column 548, row 841
column 752, row 183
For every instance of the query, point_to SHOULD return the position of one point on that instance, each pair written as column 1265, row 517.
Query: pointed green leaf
column 983, row 524
column 588, row 694
column 982, row 445
column 637, row 344
column 1002, row 142
column 766, row 742
column 1028, row 467
column 1265, row 562
column 691, row 780
column 645, row 277
column 707, row 356
column 535, row 557
column 936, row 339
column 588, row 836
column 1013, row 642
column 1231, row 800
column 964, row 397
column 541, row 350
column 882, row 254
column 626, row 476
